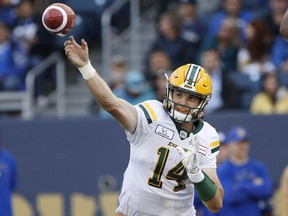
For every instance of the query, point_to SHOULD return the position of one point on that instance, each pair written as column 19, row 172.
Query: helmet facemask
column 192, row 115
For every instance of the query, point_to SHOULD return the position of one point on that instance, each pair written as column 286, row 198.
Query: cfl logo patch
column 183, row 134
column 164, row 132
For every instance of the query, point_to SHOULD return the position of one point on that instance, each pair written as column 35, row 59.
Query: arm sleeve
column 145, row 123
column 210, row 148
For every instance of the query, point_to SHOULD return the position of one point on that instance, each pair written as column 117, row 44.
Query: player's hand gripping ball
column 58, row 19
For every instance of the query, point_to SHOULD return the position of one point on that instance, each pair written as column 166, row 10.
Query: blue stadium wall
column 74, row 167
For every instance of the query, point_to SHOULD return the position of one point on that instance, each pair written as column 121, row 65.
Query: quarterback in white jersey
column 155, row 182
column 172, row 150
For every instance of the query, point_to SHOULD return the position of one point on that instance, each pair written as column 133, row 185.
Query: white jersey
column 155, row 181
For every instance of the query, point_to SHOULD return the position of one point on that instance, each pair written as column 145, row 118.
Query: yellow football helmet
column 191, row 79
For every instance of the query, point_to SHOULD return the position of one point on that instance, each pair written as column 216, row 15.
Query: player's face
column 240, row 150
column 185, row 100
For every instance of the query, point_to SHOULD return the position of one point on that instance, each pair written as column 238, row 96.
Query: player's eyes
column 192, row 98
column 188, row 97
column 179, row 94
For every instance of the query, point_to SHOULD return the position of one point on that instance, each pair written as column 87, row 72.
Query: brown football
column 58, row 19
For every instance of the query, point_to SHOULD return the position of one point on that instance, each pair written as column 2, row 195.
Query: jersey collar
column 183, row 134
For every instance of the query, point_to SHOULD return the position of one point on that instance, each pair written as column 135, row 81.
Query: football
column 58, row 19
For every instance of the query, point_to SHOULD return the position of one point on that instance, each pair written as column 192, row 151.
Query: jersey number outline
column 173, row 174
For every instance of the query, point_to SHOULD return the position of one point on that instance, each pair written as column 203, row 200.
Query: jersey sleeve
column 146, row 116
column 212, row 145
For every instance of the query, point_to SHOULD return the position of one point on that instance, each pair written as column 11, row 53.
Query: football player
column 172, row 150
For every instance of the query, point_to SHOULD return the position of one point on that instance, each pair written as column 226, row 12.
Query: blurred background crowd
column 236, row 41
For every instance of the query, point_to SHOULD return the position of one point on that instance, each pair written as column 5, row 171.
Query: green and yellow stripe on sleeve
column 215, row 146
column 149, row 112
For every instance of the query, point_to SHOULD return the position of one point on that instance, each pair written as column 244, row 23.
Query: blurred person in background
column 246, row 181
column 273, row 98
column 279, row 54
column 233, row 9
column 226, row 42
column 160, row 84
column 7, row 180
column 7, row 12
column 158, row 61
column 25, row 29
column 279, row 51
column 223, row 88
column 135, row 90
column 211, row 62
column 259, row 8
column 119, row 68
column 158, row 64
column 13, row 62
column 223, row 153
column 284, row 25
column 253, row 58
column 37, row 43
column 272, row 20
column 162, row 6
column 280, row 199
column 192, row 27
column 207, row 9
column 169, row 39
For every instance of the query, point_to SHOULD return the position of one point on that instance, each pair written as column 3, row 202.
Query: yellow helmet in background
column 194, row 80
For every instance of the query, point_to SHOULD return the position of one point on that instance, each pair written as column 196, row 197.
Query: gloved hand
column 190, row 160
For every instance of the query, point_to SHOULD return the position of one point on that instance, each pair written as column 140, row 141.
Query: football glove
column 190, row 160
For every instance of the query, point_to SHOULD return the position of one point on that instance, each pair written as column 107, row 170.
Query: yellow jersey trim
column 150, row 111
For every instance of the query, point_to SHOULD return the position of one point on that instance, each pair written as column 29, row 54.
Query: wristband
column 197, row 177
column 87, row 71
column 206, row 189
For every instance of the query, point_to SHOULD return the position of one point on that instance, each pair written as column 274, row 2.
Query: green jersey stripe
column 146, row 113
column 215, row 149
column 192, row 74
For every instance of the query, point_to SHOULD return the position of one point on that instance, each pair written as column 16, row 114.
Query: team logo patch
column 164, row 132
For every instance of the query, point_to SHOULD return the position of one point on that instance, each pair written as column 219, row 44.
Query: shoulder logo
column 164, row 132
